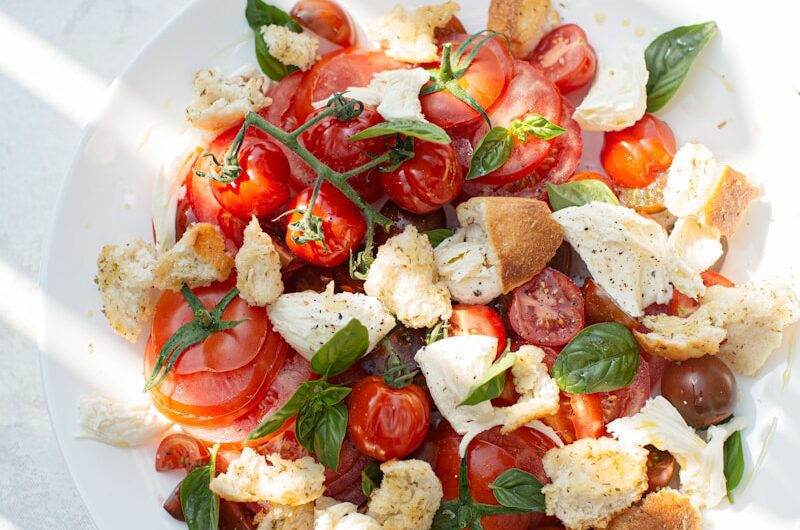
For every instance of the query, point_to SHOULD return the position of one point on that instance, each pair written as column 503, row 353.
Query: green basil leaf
column 734, row 462
column 371, row 478
column 669, row 57
column 199, row 504
column 346, row 347
column 418, row 129
column 277, row 419
column 578, row 193
column 446, row 517
column 491, row 383
column 330, row 395
column 601, row 358
column 306, row 424
column 329, row 435
column 438, row 235
column 493, row 151
column 519, row 489
column 537, row 125
column 260, row 14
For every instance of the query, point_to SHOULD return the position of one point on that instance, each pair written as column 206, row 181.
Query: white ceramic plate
column 741, row 99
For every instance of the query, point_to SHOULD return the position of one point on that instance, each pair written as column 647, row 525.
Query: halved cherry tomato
column 207, row 209
column 711, row 278
column 587, row 415
column 629, row 400
column 386, row 422
column 327, row 19
column 660, row 468
column 566, row 58
column 336, row 73
column 648, row 199
column 601, row 308
column 485, row 79
column 478, row 320
column 635, row 156
column 281, row 112
column 424, row 183
column 329, row 140
column 681, row 305
column 342, row 226
column 180, row 451
column 548, row 310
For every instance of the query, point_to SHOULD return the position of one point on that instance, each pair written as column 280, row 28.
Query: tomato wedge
column 587, row 415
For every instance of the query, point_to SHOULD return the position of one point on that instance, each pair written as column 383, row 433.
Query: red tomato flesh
column 566, row 58
column 180, row 451
column 327, row 19
column 478, row 320
column 635, row 156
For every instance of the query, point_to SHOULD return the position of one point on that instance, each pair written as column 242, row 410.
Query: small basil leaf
column 331, row 394
column 734, row 462
column 260, row 14
column 537, row 125
column 491, row 383
column 277, row 419
column 199, row 504
column 578, row 193
column 438, row 235
column 306, row 424
column 329, row 435
column 418, row 129
column 518, row 489
column 669, row 57
column 493, row 151
column 371, row 477
column 601, row 358
column 342, row 350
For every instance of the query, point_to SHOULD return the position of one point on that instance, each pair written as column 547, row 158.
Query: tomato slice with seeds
column 180, row 451
column 548, row 310
column 636, row 155
column 566, row 58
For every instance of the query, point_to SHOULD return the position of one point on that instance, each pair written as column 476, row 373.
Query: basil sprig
column 438, row 235
column 199, row 504
column 734, row 462
column 491, row 383
column 496, row 147
column 321, row 414
column 204, row 324
column 516, row 488
column 418, row 129
column 371, row 478
column 578, row 193
column 601, row 358
column 259, row 14
column 669, row 57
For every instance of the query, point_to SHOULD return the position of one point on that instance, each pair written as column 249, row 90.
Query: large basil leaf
column 199, row 504
column 438, row 235
column 260, row 14
column 342, row 350
column 601, row 358
column 491, row 383
column 277, row 419
column 371, row 478
column 734, row 462
column 329, row 435
column 669, row 58
column 493, row 151
column 516, row 488
column 418, row 129
column 578, row 193
column 536, row 125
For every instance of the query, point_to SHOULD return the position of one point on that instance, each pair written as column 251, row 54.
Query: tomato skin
column 207, row 209
column 327, row 19
column 424, row 183
column 180, row 451
column 566, row 58
column 629, row 400
column 478, row 320
column 635, row 156
column 387, row 422
column 681, row 305
column 342, row 226
column 599, row 307
column 587, row 415
column 711, row 278
column 703, row 390
column 660, row 468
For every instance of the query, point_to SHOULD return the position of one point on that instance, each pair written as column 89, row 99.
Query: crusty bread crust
column 691, row 348
column 524, row 21
column 664, row 509
column 198, row 259
column 730, row 200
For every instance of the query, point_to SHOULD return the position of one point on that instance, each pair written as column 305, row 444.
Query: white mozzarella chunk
column 394, row 93
column 693, row 248
column 120, row 424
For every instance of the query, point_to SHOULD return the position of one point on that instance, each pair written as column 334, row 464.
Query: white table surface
column 56, row 59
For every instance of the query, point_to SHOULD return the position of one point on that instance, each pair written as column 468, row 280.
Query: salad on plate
column 381, row 295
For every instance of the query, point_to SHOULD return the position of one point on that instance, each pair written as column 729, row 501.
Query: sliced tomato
column 485, row 79
column 635, row 156
column 602, row 308
column 281, row 111
column 561, row 421
column 478, row 320
column 566, row 58
column 711, row 278
column 629, row 400
column 351, row 67
column 587, row 415
column 180, row 451
column 681, row 305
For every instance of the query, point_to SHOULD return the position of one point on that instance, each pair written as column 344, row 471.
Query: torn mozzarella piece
column 394, row 93
column 120, row 424
column 693, row 248
column 465, row 265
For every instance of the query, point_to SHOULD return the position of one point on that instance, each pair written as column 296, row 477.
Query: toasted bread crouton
column 258, row 267
column 125, row 279
column 729, row 200
column 407, row 36
column 593, row 480
column 408, row 496
column 665, row 509
column 221, row 102
column 679, row 339
column 538, row 392
column 289, row 47
column 197, row 260
column 282, row 517
column 524, row 21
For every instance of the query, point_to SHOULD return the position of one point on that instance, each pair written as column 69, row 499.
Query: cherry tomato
column 485, row 79
column 646, row 200
column 387, row 422
column 635, row 156
column 711, row 278
column 681, row 305
column 329, row 141
column 342, row 226
column 206, row 209
column 601, row 308
column 327, row 19
column 566, row 58
column 587, row 415
column 452, row 30
column 180, row 451
column 660, row 468
column 402, row 218
column 405, row 343
column 424, row 183
column 703, row 390
column 561, row 421
column 629, row 400
column 548, row 310
column 478, row 320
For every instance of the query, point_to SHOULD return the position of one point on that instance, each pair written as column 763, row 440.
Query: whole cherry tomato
column 180, row 451
column 566, row 58
column 635, row 156
column 387, row 422
column 342, row 226
column 703, row 390
column 424, row 183
column 478, row 320
column 327, row 19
